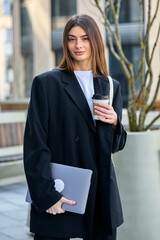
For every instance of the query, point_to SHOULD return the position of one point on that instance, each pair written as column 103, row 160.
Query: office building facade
column 6, row 50
column 38, row 30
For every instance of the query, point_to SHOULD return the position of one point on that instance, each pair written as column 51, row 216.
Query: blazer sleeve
column 120, row 135
column 37, row 154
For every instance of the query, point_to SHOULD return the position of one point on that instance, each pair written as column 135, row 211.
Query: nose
column 78, row 43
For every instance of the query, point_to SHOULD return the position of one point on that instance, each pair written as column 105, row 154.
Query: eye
column 71, row 39
column 85, row 39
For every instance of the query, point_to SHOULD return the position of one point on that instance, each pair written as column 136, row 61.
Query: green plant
column 137, row 102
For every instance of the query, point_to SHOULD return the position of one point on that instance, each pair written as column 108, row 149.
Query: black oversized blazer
column 60, row 129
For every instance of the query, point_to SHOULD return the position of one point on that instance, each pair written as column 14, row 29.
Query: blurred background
column 31, row 40
column 31, row 34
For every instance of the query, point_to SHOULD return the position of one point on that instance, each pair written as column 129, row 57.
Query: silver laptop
column 73, row 183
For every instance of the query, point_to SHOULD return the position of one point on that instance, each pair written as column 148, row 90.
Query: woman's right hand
column 57, row 207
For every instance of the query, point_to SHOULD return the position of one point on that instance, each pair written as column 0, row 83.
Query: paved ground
column 13, row 212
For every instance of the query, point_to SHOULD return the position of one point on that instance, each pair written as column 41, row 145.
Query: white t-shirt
column 85, row 79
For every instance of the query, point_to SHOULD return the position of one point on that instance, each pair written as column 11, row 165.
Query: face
column 79, row 46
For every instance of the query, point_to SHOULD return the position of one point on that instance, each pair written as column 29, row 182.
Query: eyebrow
column 70, row 35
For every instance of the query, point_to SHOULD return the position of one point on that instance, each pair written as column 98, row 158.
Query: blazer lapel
column 101, row 85
column 73, row 88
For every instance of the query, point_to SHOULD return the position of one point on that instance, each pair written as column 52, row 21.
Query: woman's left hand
column 106, row 113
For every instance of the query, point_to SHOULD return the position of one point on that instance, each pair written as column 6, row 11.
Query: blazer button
column 76, row 139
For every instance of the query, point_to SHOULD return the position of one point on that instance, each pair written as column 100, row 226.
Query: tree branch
column 147, row 48
column 115, row 17
column 120, row 55
column 155, row 96
column 141, row 62
column 149, row 70
column 155, row 44
column 152, row 122
column 146, row 92
column 141, row 67
column 118, row 9
column 155, row 14
column 114, row 33
column 145, row 89
column 141, row 24
column 146, row 59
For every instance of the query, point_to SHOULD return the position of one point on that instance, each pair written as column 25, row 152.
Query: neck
column 80, row 66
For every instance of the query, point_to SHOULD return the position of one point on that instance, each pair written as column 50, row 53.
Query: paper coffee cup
column 97, row 99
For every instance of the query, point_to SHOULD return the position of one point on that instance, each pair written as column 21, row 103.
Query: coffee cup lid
column 100, row 96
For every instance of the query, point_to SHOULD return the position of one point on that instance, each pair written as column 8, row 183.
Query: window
column 7, row 7
column 61, row 10
column 59, row 56
column 132, row 13
column 133, row 53
column 8, row 35
column 129, row 11
column 26, row 26
column 129, row 27
column 9, row 75
column 28, row 73
column 26, row 29
column 8, row 42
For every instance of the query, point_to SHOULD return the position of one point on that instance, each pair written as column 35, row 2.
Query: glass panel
column 124, row 13
column 29, row 73
column 60, row 11
column 59, row 56
column 133, row 53
column 8, row 42
column 9, row 75
column 27, row 43
column 134, row 11
column 26, row 26
column 8, row 35
column 116, row 73
column 7, row 7
column 26, row 29
column 63, row 8
column 129, row 11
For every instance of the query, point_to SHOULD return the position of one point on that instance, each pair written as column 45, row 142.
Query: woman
column 60, row 128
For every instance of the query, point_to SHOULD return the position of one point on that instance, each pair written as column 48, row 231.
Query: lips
column 79, row 53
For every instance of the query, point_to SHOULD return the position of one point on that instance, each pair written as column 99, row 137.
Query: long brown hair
column 99, row 65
